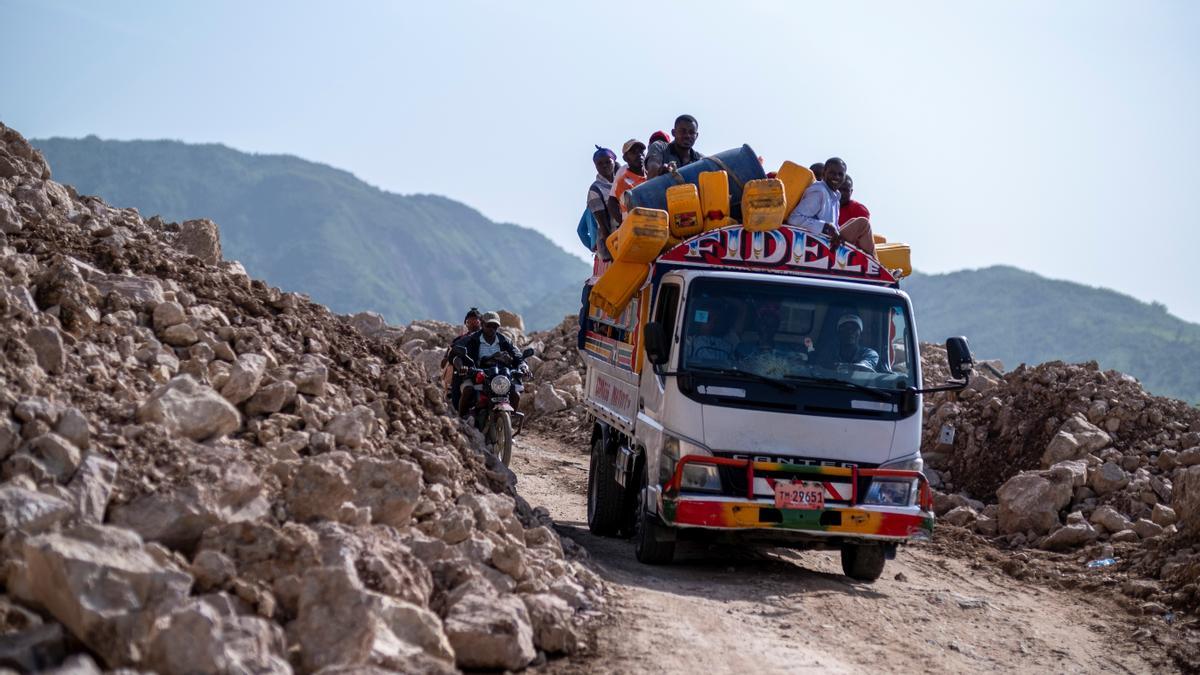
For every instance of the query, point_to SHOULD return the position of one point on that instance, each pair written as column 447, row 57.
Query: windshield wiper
column 877, row 392
column 735, row 372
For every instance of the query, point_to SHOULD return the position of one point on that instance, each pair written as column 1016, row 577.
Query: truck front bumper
column 850, row 519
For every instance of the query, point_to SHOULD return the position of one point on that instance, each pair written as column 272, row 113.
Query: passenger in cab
column 597, row 198
column 849, row 208
column 849, row 350
column 818, row 210
column 767, row 355
column 818, row 170
column 628, row 177
column 667, row 157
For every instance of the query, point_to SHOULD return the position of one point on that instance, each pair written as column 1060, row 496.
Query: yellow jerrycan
column 895, row 256
column 763, row 204
column 683, row 205
column 714, row 199
column 617, row 286
column 641, row 236
column 796, row 179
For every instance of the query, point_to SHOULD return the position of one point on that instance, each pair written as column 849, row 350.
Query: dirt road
column 720, row 610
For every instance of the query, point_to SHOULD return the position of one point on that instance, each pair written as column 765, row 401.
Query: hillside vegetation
column 313, row 228
column 1020, row 317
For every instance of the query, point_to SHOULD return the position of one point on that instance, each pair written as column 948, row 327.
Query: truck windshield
column 799, row 335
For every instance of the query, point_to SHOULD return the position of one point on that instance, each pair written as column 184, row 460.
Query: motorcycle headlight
column 500, row 385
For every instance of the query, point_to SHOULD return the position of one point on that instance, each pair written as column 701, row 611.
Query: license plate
column 799, row 496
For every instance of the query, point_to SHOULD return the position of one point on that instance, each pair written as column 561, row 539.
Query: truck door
column 666, row 309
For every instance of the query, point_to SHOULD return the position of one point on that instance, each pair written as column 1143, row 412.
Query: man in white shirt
column 817, row 211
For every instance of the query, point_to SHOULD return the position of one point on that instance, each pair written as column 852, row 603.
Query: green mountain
column 1020, row 317
column 312, row 228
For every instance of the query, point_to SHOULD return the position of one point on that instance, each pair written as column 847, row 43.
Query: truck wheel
column 604, row 496
column 863, row 562
column 651, row 542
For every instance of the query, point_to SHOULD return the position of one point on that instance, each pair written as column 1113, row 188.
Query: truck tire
column 605, row 496
column 863, row 562
column 651, row 543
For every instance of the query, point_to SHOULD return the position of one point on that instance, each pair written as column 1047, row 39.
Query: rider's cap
column 630, row 144
column 491, row 317
column 850, row 318
column 473, row 312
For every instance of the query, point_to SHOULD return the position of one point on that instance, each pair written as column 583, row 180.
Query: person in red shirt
column 848, row 207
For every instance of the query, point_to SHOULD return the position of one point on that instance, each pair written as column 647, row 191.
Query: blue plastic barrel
column 741, row 163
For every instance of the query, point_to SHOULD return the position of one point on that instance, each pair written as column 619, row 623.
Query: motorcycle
column 495, row 380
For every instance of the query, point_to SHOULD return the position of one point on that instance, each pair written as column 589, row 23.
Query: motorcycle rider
column 482, row 344
column 450, row 377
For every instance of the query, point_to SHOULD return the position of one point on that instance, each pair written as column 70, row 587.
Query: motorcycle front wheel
column 501, row 436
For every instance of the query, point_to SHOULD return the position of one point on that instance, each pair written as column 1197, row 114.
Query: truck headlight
column 693, row 474
column 890, row 492
column 703, row 477
column 910, row 463
column 500, row 385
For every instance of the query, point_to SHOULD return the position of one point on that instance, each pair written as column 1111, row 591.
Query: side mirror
column 958, row 353
column 657, row 350
column 527, row 353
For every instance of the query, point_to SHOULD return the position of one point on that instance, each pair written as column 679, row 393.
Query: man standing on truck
column 628, row 177
column 597, row 198
column 818, row 209
column 667, row 157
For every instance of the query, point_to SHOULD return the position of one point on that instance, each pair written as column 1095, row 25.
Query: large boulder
column 1110, row 519
column 1186, row 500
column 390, row 488
column 30, row 511
column 47, row 343
column 490, row 631
column 190, row 409
column 101, row 583
column 341, row 623
column 1075, row 439
column 1108, row 477
column 244, row 378
column 1069, row 537
column 229, row 491
column 92, row 486
column 201, row 238
column 206, row 635
column 1031, row 502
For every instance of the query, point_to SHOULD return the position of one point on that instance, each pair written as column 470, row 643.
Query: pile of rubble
column 204, row 474
column 1069, row 458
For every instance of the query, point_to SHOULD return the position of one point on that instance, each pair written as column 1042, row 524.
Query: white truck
column 764, row 388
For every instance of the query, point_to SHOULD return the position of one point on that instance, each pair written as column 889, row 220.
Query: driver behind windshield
column 708, row 341
column 849, row 350
column 483, row 345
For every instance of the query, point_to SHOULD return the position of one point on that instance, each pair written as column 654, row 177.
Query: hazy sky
column 1059, row 137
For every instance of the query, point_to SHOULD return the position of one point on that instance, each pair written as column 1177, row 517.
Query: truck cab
column 771, row 393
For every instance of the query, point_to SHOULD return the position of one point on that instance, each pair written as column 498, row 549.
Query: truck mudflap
column 749, row 511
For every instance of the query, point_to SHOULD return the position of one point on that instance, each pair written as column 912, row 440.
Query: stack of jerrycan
column 722, row 189
column 634, row 245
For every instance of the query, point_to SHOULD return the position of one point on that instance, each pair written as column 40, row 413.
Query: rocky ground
column 204, row 474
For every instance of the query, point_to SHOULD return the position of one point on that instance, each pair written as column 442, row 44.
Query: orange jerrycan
column 683, row 205
column 714, row 199
column 763, row 204
column 617, row 286
column 796, row 180
column 895, row 256
column 641, row 236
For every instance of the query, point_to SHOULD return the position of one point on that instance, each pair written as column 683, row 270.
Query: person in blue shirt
column 817, row 211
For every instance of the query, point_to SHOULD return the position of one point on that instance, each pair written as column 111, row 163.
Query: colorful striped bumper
column 754, row 512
